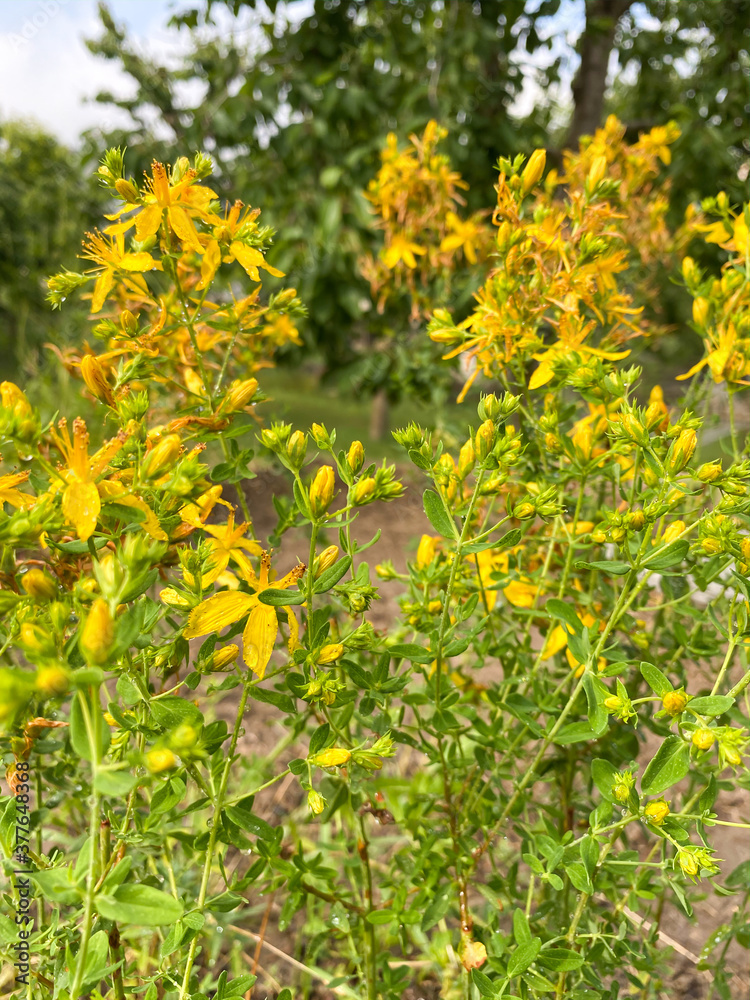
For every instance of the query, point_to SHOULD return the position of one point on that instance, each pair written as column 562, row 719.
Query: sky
column 47, row 74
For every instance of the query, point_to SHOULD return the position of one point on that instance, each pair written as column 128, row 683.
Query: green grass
column 297, row 397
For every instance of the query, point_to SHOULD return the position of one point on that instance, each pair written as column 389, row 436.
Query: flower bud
column 674, row 531
column 681, row 451
column 296, row 448
column 128, row 322
column 711, row 546
column 583, row 441
column 160, row 760
column 597, row 171
column 239, row 395
column 709, row 472
column 330, row 653
column 426, row 551
column 444, row 469
column 126, row 189
column 355, row 457
column 316, row 802
column 533, row 171
column 674, row 702
column 223, row 657
column 689, row 271
column 700, row 311
column 634, row 429
column 703, row 738
column 162, row 456
column 95, row 379
column 598, row 536
column 52, row 681
column 39, row 585
column 363, row 491
column 98, row 633
column 325, row 560
column 524, row 511
column 687, row 863
column 466, row 460
column 321, row 437
column 484, row 440
column 635, row 520
column 333, row 757
column 656, row 812
column 321, row 491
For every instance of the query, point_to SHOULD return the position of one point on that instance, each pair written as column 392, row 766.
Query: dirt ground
column 682, row 938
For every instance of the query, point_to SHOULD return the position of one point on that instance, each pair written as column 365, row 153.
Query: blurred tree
column 44, row 206
column 689, row 60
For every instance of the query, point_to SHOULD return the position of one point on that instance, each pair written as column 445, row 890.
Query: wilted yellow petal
column 217, row 612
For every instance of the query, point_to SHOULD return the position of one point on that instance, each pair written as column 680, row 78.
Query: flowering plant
column 500, row 788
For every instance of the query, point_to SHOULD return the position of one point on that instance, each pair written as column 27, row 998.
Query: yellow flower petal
column 147, row 222
column 259, row 638
column 81, row 506
column 217, row 612
column 101, row 289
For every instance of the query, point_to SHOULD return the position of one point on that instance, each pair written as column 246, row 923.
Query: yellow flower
column 463, row 235
column 261, row 629
column 227, row 244
column 227, row 542
column 177, row 202
column 402, row 249
column 704, row 739
column 521, row 593
column 81, row 502
column 572, row 334
column 110, row 256
column 9, row 493
column 724, row 359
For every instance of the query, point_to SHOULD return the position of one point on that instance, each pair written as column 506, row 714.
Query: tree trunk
column 591, row 79
column 379, row 415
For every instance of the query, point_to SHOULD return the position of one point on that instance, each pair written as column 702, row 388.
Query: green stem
column 219, row 805
column 91, row 723
column 370, row 944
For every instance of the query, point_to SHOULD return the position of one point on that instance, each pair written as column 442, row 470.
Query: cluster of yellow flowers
column 416, row 198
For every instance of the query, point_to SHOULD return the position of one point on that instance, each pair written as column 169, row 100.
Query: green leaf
column 670, row 765
column 614, row 567
column 173, row 711
column 508, row 539
column 715, row 704
column 411, row 651
column 378, row 917
column 521, row 931
column 330, row 577
column 438, row 516
column 139, row 904
column 656, row 680
column 575, row 732
column 523, row 956
column 603, row 775
column 579, row 877
column 596, row 692
column 116, row 783
column 319, row 739
column 560, row 959
column 281, row 598
column 58, row 885
column 79, row 737
column 672, row 555
column 241, row 813
column 565, row 613
column 484, row 984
